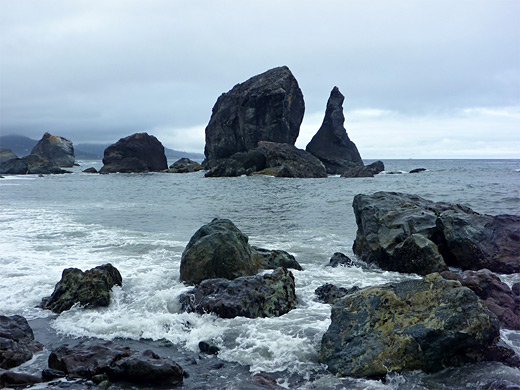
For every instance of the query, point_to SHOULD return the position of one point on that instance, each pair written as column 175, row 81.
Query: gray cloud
column 97, row 70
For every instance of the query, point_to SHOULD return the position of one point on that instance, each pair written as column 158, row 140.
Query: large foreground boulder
column 267, row 107
column 268, row 295
column 331, row 143
column 17, row 343
column 406, row 233
column 139, row 152
column 89, row 359
column 90, row 288
column 426, row 324
column 217, row 250
column 57, row 150
column 497, row 295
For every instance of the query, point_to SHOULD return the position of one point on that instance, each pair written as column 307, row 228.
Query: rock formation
column 267, row 107
column 184, row 165
column 366, row 171
column 17, row 343
column 331, row 143
column 31, row 164
column 139, row 152
column 406, row 233
column 90, row 288
column 90, row 359
column 57, row 150
column 267, row 295
column 6, row 155
column 272, row 259
column 427, row 324
column 338, row 259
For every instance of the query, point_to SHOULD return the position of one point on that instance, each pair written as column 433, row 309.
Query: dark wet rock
column 207, row 348
column 426, row 324
column 89, row 359
column 497, row 295
column 49, row 374
column 90, row 170
column 338, row 259
column 267, row 295
column 184, row 165
column 417, row 170
column 516, row 289
column 6, row 155
column 387, row 221
column 265, row 381
column 38, row 165
column 329, row 293
column 500, row 384
column 15, row 379
column 366, row 171
column 90, row 288
column 16, row 166
column 57, row 150
column 17, row 343
column 217, row 250
column 267, row 107
column 272, row 259
column 331, row 143
column 139, row 152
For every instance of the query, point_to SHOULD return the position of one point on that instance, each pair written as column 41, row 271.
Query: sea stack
column 331, row 143
column 57, row 150
column 139, row 152
column 267, row 107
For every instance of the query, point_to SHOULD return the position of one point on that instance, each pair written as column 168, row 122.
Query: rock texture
column 90, row 288
column 272, row 259
column 6, row 155
column 406, row 233
column 31, row 164
column 329, row 293
column 184, row 165
column 266, row 295
column 217, row 250
column 366, row 171
column 90, row 359
column 331, row 143
column 267, row 107
column 338, row 259
column 139, row 152
column 426, row 324
column 17, row 343
column 57, row 150
column 15, row 166
column 497, row 295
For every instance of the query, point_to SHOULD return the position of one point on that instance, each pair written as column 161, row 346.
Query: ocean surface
column 141, row 224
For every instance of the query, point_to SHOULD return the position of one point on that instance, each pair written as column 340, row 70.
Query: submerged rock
column 90, row 288
column 6, row 155
column 387, row 221
column 89, row 359
column 57, row 150
column 417, row 170
column 426, row 324
column 497, row 295
column 272, row 259
column 268, row 295
column 184, row 165
column 217, row 250
column 366, row 171
column 17, row 343
column 267, row 107
column 90, row 170
column 331, row 143
column 139, row 152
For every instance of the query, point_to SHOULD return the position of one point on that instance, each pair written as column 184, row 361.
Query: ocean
column 141, row 223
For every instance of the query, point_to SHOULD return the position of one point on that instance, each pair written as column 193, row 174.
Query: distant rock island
column 57, row 150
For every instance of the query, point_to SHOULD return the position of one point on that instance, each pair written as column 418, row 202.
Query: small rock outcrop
column 338, row 259
column 57, row 150
column 267, row 107
column 406, row 233
column 17, row 380
column 418, row 170
column 329, row 293
column 15, row 166
column 90, row 170
column 331, row 143
column 90, row 288
column 366, row 171
column 139, row 152
column 267, row 295
column 90, row 359
column 497, row 295
column 426, row 324
column 17, row 343
column 184, row 165
column 217, row 250
column 6, row 155
column 37, row 165
column 272, row 259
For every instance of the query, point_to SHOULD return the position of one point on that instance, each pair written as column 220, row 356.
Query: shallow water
column 141, row 223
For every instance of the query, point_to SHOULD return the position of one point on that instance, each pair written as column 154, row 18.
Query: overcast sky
column 421, row 79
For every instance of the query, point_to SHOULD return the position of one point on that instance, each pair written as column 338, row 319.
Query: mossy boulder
column 272, row 259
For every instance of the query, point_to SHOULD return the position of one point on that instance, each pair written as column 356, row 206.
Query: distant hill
column 22, row 146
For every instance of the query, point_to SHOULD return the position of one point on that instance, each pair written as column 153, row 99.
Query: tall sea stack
column 57, row 150
column 331, row 143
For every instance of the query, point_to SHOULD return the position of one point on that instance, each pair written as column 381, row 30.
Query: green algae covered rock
column 426, row 324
